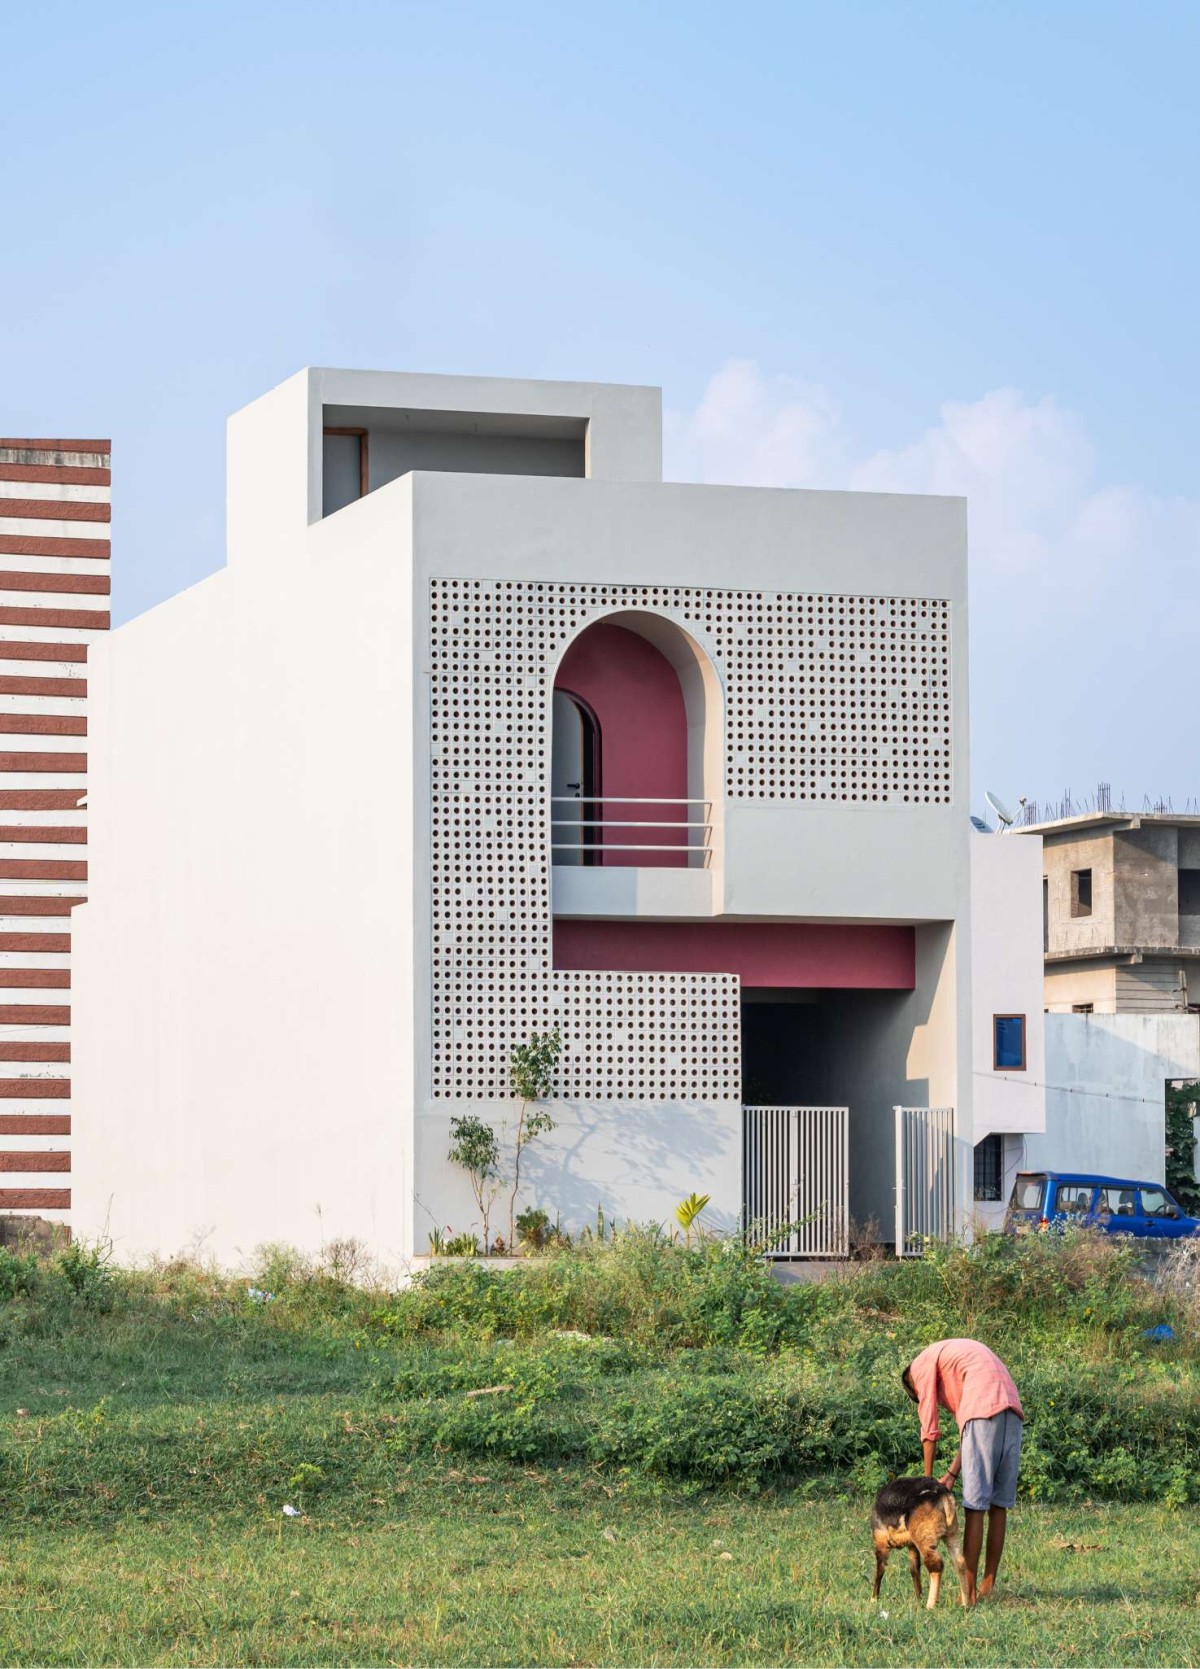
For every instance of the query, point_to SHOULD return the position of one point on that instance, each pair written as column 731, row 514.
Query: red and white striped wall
column 55, row 512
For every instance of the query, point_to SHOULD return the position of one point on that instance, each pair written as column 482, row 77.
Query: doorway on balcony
column 636, row 749
column 575, row 779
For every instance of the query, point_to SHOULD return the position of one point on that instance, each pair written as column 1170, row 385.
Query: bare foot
column 986, row 1586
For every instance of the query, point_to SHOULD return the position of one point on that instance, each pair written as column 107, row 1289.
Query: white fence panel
column 925, row 1180
column 796, row 1169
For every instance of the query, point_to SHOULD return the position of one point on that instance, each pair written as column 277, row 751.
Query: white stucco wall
column 1006, row 946
column 244, row 1059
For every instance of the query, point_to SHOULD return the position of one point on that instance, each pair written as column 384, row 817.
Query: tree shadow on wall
column 635, row 1162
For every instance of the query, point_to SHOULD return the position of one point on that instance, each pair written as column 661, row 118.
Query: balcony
column 617, row 855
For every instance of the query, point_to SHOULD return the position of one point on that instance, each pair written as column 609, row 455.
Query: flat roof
column 1106, row 819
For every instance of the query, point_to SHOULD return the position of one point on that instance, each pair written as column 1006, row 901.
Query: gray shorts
column 991, row 1454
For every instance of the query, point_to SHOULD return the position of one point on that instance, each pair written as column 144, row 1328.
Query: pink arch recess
column 634, row 692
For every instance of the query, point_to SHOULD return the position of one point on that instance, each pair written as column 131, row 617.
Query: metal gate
column 796, row 1171
column 925, row 1180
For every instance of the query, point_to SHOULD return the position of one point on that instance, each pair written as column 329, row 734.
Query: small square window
column 1083, row 1008
column 989, row 1168
column 1189, row 892
column 1081, row 892
column 1008, row 1042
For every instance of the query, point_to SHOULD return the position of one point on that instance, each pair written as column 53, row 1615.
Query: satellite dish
column 1003, row 814
column 980, row 827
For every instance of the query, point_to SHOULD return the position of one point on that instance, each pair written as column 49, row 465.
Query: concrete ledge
column 649, row 893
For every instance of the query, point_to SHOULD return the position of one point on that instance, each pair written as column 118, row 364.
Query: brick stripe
column 33, row 905
column 74, row 834
column 40, row 799
column 16, row 685
column 35, row 1124
column 42, row 724
column 65, row 475
column 35, row 1089
column 32, row 544
column 78, row 619
column 27, row 445
column 13, row 650
column 44, row 944
column 35, row 1052
column 41, row 869
column 43, row 1162
column 35, row 1199
column 33, row 1014
column 65, row 764
column 56, row 509
column 35, row 979
column 80, row 585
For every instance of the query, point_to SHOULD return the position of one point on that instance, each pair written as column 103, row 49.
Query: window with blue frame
column 1008, row 1042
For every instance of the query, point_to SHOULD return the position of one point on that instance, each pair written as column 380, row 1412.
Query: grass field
column 521, row 1567
column 686, row 1483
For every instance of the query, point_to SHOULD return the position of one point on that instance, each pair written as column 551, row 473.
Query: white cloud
column 1082, row 591
column 1024, row 469
column 754, row 431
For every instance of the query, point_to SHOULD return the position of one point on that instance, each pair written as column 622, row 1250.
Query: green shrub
column 84, row 1271
column 533, row 1229
column 490, row 1426
column 18, row 1274
column 699, row 1431
column 278, row 1266
column 636, row 1285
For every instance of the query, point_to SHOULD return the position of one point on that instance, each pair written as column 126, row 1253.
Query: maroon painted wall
column 808, row 955
column 634, row 692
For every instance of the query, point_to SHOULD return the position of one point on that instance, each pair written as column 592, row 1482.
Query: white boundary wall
column 1105, row 1099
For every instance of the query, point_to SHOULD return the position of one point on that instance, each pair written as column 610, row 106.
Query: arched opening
column 636, row 750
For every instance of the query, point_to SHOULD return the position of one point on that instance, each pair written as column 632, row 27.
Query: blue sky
column 921, row 247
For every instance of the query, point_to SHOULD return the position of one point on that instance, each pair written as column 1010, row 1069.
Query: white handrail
column 589, row 834
column 623, row 800
column 623, row 823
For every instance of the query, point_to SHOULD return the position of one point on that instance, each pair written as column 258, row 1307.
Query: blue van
column 1111, row 1203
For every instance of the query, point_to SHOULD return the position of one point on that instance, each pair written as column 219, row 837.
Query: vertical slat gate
column 796, row 1171
column 925, row 1180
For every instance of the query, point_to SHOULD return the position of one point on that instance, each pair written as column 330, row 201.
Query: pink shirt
column 965, row 1377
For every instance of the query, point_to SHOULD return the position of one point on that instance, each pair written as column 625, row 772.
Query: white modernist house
column 486, row 730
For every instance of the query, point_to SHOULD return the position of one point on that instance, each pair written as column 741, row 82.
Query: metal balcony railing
column 617, row 830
